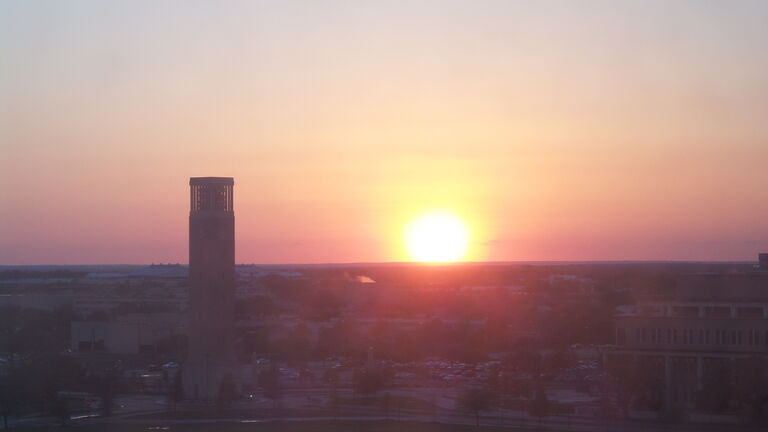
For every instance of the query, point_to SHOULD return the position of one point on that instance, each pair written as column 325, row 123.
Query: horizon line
column 430, row 264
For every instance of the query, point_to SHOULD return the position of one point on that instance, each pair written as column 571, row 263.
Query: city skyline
column 555, row 130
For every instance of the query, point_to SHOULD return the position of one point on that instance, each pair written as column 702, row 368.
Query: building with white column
column 706, row 330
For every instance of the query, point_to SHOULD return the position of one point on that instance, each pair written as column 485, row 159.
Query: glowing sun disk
column 437, row 236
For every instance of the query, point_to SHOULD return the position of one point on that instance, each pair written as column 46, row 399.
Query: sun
column 437, row 236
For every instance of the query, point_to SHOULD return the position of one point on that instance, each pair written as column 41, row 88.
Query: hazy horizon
column 559, row 131
column 388, row 263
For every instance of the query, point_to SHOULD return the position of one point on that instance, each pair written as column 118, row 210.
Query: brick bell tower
column 212, row 287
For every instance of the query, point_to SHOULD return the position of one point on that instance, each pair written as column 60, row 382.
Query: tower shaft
column 212, row 286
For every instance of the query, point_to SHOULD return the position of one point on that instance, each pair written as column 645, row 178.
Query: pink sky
column 559, row 130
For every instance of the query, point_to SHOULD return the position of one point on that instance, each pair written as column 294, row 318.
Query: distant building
column 212, row 287
column 85, row 304
column 150, row 333
column 154, row 272
column 701, row 332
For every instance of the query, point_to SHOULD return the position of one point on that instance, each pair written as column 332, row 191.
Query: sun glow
column 437, row 236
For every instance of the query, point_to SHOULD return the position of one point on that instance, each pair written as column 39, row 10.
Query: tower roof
column 211, row 181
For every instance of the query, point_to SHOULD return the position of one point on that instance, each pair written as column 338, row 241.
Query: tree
column 476, row 400
column 528, row 361
column 296, row 345
column 176, row 393
column 11, row 388
column 368, row 381
column 269, row 380
column 227, row 391
column 106, row 387
column 61, row 408
column 557, row 361
column 48, row 375
column 331, row 376
column 540, row 405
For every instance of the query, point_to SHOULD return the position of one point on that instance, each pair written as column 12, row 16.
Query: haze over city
column 589, row 130
column 384, row 216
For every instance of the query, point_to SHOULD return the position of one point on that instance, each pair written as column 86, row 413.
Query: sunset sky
column 558, row 130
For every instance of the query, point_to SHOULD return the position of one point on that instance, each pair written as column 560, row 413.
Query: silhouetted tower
column 212, row 286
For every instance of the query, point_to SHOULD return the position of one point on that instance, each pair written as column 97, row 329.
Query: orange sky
column 559, row 130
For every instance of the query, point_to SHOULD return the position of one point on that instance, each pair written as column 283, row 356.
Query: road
column 443, row 410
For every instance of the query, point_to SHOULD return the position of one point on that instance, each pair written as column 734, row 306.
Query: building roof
column 211, row 181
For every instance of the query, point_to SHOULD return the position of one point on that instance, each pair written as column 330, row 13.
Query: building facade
column 148, row 333
column 709, row 330
column 212, row 287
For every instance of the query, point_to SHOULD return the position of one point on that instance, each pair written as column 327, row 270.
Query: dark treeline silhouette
column 41, row 274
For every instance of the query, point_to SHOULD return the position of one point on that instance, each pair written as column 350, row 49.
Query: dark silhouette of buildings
column 212, row 287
